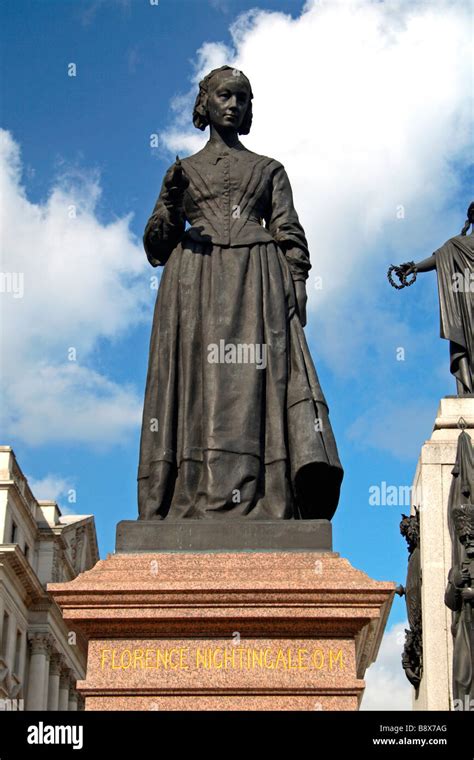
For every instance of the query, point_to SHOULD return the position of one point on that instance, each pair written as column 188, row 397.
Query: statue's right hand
column 407, row 269
column 176, row 183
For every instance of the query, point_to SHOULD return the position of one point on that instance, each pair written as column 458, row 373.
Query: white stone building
column 40, row 660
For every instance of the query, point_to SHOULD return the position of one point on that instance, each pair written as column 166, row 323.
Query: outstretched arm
column 427, row 265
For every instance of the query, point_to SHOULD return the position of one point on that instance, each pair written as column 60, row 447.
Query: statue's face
column 227, row 102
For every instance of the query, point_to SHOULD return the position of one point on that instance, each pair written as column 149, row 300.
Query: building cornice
column 12, row 556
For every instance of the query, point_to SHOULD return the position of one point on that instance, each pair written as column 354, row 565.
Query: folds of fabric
column 455, row 268
column 235, row 423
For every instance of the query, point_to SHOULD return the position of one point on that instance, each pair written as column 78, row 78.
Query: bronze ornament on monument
column 459, row 596
column 412, row 656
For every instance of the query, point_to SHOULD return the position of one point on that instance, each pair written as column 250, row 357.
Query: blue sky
column 86, row 139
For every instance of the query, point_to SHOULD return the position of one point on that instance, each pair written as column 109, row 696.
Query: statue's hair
column 469, row 220
column 200, row 112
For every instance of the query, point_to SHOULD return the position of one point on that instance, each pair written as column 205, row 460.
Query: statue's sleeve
column 285, row 227
column 164, row 229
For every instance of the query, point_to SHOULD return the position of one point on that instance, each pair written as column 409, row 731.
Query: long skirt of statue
column 235, row 424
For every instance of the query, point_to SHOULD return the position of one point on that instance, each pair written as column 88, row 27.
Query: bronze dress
column 455, row 268
column 232, row 437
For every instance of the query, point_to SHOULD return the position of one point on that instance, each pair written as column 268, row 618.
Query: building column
column 73, row 699
column 46, row 680
column 64, row 680
column 55, row 664
column 40, row 644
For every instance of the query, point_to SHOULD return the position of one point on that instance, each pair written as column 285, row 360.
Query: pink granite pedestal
column 271, row 630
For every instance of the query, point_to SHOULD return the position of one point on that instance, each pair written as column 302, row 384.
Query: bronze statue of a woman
column 235, row 424
column 454, row 264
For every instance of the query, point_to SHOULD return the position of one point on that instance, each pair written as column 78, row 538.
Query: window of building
column 5, row 622
column 14, row 533
column 18, row 643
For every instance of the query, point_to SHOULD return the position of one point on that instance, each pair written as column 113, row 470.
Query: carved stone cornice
column 11, row 555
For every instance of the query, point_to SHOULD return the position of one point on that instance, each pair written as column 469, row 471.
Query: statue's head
column 410, row 530
column 469, row 218
column 225, row 100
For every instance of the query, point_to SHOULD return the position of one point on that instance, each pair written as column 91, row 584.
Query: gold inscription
column 222, row 658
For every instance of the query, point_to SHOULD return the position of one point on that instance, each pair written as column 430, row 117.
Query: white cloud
column 72, row 403
column 53, row 488
column 82, row 281
column 387, row 687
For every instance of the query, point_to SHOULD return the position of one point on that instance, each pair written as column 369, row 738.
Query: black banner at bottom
column 127, row 734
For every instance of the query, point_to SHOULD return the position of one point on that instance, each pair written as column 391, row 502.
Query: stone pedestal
column 226, row 630
column 430, row 494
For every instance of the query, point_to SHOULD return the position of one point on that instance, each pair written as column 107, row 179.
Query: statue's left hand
column 301, row 299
